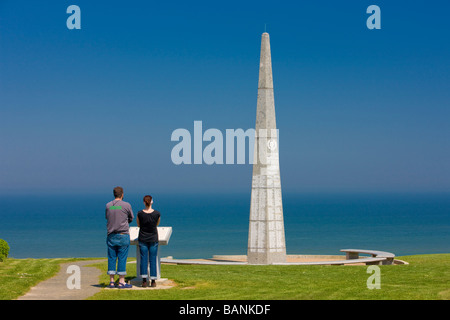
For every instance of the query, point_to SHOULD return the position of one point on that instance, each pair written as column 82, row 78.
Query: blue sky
column 358, row 110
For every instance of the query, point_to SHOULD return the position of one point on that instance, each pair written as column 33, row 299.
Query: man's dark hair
column 118, row 192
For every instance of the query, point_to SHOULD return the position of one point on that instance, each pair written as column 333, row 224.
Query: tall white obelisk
column 266, row 240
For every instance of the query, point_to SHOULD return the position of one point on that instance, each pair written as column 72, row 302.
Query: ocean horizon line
column 222, row 193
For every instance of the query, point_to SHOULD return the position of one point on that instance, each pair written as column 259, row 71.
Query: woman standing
column 147, row 221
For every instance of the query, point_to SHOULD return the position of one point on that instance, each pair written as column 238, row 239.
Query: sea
column 59, row 226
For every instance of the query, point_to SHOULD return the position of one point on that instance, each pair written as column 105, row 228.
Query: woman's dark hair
column 148, row 200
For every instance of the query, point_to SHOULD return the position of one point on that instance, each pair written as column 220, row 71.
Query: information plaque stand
column 164, row 234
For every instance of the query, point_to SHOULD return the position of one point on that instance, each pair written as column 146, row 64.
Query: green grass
column 17, row 276
column 426, row 277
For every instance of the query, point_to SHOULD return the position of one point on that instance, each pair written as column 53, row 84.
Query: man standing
column 118, row 215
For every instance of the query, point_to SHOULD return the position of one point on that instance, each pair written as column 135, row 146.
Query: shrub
column 4, row 250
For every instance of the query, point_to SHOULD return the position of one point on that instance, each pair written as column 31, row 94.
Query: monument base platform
column 291, row 259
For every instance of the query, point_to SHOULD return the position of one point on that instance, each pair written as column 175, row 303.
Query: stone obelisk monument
column 266, row 241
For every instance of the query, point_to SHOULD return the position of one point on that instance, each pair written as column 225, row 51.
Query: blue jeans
column 118, row 245
column 148, row 252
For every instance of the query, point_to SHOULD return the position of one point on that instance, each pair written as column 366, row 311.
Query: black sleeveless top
column 148, row 232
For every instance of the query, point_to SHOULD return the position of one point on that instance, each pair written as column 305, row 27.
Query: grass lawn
column 426, row 277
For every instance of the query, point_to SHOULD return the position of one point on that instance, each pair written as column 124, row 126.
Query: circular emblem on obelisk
column 272, row 144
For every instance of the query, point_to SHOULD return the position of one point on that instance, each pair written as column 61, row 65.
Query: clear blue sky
column 357, row 109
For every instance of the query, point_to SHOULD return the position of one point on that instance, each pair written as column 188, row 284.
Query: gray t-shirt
column 118, row 215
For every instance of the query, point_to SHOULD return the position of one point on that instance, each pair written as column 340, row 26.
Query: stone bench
column 387, row 257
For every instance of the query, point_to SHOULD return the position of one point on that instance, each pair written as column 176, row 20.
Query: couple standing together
column 119, row 215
